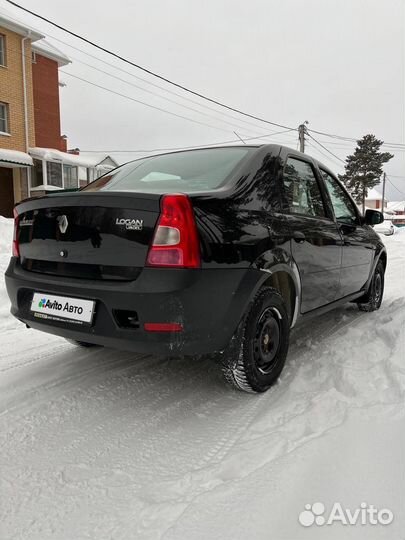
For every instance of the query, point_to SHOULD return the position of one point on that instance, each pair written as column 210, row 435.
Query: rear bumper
column 208, row 303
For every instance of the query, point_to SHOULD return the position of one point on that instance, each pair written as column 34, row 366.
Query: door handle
column 299, row 237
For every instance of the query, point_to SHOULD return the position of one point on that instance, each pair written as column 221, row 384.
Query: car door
column 358, row 245
column 316, row 243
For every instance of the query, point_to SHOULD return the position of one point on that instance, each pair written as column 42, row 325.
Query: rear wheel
column 256, row 355
column 84, row 344
column 371, row 301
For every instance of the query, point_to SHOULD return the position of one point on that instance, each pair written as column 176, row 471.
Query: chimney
column 63, row 143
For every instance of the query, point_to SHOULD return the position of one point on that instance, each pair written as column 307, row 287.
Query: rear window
column 196, row 170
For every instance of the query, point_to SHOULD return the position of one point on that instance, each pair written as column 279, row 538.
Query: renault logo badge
column 63, row 223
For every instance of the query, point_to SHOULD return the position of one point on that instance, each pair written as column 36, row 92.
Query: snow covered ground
column 102, row 444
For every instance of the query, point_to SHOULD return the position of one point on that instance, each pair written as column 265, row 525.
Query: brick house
column 33, row 154
column 17, row 132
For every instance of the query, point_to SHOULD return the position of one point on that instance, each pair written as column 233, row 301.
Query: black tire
column 83, row 344
column 256, row 355
column 371, row 301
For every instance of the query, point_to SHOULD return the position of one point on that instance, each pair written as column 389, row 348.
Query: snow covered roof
column 396, row 205
column 373, row 195
column 7, row 20
column 44, row 48
column 84, row 159
column 50, row 154
column 98, row 158
column 15, row 157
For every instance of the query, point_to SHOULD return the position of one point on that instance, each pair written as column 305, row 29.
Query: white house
column 396, row 213
column 54, row 170
column 374, row 200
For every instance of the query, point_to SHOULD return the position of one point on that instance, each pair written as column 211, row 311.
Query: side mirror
column 373, row 217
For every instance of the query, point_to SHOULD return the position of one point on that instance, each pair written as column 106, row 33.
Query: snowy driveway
column 102, row 444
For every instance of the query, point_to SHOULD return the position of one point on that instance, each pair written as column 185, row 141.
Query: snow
column 14, row 156
column 97, row 158
column 373, row 195
column 44, row 48
column 56, row 155
column 396, row 206
column 99, row 444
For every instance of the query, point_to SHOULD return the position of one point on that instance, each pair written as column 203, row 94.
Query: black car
column 217, row 251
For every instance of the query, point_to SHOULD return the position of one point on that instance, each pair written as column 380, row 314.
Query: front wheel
column 371, row 301
column 257, row 353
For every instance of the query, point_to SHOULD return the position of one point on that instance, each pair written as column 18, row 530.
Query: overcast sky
column 340, row 64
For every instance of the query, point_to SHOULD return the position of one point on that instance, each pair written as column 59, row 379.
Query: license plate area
column 67, row 309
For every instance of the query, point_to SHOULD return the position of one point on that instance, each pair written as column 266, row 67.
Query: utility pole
column 302, row 130
column 383, row 192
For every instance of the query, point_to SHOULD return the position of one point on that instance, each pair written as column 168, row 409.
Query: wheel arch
column 380, row 255
column 286, row 280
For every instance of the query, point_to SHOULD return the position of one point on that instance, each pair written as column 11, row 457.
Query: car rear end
column 125, row 269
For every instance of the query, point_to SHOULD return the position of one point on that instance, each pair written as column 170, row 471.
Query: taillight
column 16, row 246
column 175, row 242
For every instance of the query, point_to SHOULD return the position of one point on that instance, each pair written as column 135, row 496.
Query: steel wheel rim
column 377, row 288
column 267, row 341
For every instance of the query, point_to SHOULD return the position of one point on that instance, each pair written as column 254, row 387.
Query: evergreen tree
column 363, row 168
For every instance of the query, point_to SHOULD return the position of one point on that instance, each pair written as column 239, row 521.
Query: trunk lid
column 87, row 235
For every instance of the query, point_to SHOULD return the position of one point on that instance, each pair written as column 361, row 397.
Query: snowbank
column 6, row 237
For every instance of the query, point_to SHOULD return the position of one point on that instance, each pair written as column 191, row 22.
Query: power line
column 145, row 151
column 394, row 186
column 332, row 160
column 142, row 102
column 182, row 87
column 327, row 149
column 202, row 105
column 163, row 110
column 164, row 97
column 168, row 99
column 352, row 139
column 142, row 68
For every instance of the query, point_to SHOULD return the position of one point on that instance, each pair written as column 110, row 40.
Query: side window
column 302, row 189
column 341, row 202
column 2, row 50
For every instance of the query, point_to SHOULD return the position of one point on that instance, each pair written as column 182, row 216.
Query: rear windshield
column 196, row 170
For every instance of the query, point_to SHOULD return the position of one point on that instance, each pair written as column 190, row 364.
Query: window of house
column 70, row 177
column 2, row 50
column 54, row 174
column 37, row 178
column 342, row 204
column 302, row 189
column 4, row 127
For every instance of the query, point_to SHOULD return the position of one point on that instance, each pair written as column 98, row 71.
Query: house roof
column 50, row 154
column 98, row 158
column 396, row 205
column 373, row 195
column 14, row 157
column 84, row 159
column 44, row 48
column 11, row 23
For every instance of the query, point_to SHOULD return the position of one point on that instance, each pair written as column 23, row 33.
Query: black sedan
column 216, row 251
